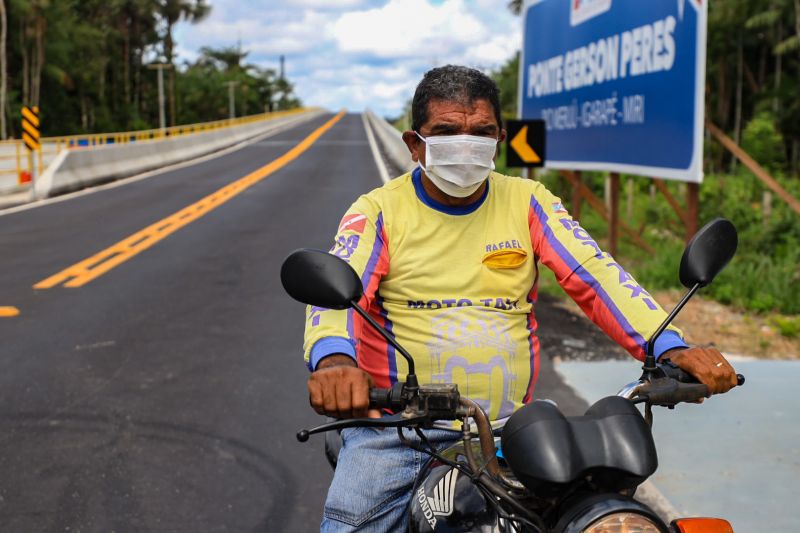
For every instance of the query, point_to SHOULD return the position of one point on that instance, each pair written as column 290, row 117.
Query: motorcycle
column 545, row 472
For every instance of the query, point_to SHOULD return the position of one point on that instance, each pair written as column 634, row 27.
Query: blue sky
column 358, row 54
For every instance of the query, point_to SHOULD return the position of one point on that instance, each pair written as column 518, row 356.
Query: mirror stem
column 650, row 360
column 386, row 335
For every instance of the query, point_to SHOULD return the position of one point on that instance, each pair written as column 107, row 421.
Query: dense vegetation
column 85, row 64
column 753, row 83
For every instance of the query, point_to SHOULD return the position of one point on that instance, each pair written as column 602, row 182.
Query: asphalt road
column 164, row 395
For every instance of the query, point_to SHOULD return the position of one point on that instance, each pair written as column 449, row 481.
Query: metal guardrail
column 16, row 162
column 16, row 159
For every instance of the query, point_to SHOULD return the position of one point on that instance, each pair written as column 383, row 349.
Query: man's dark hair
column 453, row 83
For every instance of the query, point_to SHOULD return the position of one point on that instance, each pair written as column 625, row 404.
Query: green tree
column 507, row 78
column 202, row 86
column 172, row 11
column 83, row 63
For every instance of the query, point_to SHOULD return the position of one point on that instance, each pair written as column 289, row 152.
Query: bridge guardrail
column 16, row 162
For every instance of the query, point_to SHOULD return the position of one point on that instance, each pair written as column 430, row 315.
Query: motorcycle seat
column 611, row 442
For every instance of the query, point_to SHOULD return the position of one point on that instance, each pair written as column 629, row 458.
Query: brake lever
column 393, row 421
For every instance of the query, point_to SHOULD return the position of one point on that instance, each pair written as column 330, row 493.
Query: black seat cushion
column 611, row 442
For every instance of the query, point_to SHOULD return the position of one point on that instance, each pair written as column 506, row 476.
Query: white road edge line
column 150, row 173
column 375, row 152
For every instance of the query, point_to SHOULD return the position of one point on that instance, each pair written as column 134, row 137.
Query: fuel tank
column 445, row 500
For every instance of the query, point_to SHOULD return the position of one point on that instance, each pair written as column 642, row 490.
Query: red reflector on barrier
column 25, row 177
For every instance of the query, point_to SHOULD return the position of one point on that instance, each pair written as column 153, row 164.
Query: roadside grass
column 788, row 326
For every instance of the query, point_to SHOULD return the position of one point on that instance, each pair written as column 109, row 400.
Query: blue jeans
column 375, row 474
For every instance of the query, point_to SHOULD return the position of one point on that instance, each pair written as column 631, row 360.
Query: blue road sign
column 619, row 84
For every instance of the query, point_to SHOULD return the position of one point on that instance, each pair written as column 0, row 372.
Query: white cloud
column 358, row 53
column 262, row 34
column 384, row 89
column 492, row 52
column 405, row 28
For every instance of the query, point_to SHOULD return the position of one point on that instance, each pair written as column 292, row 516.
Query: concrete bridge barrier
column 78, row 168
column 392, row 142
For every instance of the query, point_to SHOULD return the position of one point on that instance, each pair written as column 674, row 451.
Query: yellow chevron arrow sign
column 520, row 144
column 526, row 147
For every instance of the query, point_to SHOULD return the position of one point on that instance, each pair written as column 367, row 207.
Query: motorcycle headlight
column 623, row 523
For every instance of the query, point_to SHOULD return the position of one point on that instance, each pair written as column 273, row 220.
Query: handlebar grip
column 690, row 392
column 380, row 398
column 677, row 393
column 391, row 399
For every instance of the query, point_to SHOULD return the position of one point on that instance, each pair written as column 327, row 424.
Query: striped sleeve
column 606, row 293
column 360, row 241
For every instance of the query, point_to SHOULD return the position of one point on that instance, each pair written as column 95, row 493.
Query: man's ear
column 413, row 143
column 500, row 140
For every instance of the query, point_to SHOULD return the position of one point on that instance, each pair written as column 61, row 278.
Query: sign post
column 613, row 223
column 619, row 84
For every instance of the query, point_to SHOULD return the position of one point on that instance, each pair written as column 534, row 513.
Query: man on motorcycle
column 448, row 256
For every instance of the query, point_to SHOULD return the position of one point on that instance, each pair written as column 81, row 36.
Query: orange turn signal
column 701, row 525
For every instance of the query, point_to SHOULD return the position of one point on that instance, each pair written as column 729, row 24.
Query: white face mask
column 458, row 164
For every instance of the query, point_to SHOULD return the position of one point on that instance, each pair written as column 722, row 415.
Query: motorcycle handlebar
column 437, row 402
column 676, row 392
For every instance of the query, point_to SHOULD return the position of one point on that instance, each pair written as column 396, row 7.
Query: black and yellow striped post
column 30, row 128
column 31, row 136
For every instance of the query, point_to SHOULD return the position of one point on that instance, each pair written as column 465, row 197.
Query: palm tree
column 33, row 49
column 172, row 11
column 226, row 59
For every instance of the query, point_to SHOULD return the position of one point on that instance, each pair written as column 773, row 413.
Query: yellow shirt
column 457, row 288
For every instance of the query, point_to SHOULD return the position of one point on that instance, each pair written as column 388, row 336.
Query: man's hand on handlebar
column 340, row 389
column 707, row 365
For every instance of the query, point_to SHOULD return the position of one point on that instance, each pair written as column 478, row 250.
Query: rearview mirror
column 320, row 279
column 708, row 252
column 323, row 280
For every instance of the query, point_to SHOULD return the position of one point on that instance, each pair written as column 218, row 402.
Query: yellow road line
column 85, row 271
column 8, row 312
